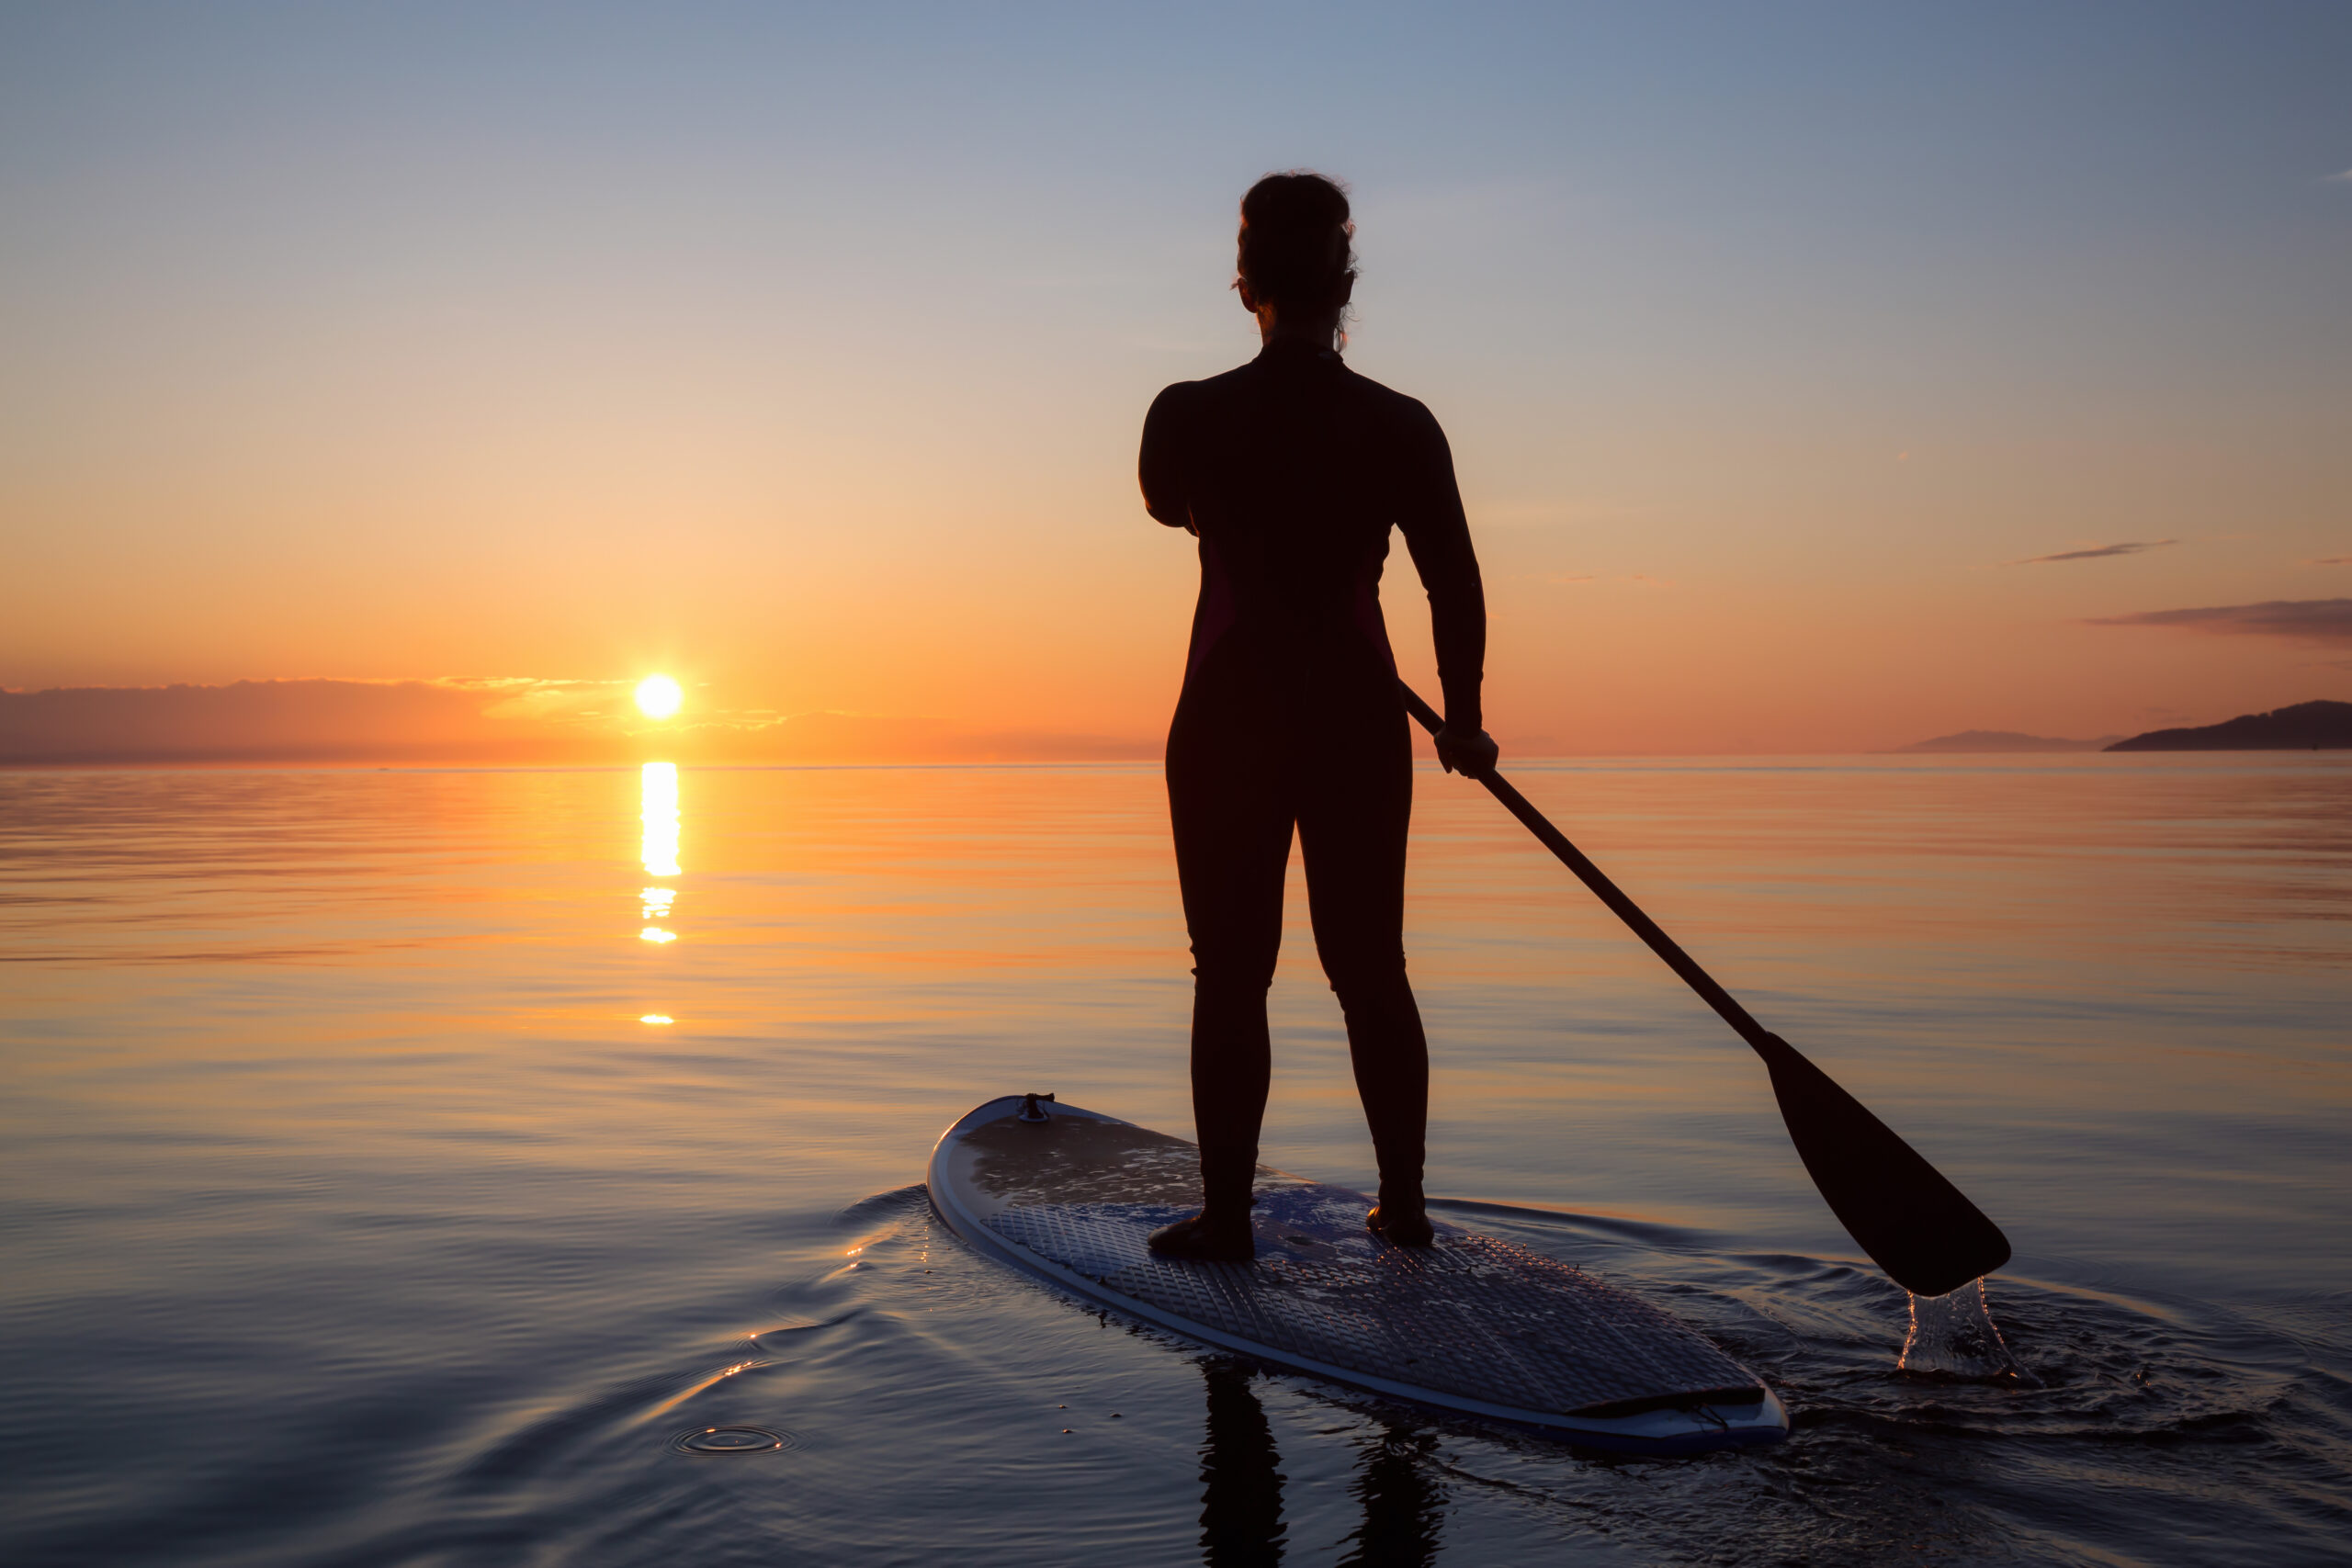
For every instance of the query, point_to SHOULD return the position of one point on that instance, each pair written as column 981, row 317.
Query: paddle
column 1915, row 1224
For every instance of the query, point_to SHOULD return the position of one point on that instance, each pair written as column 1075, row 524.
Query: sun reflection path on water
column 658, row 849
column 660, row 815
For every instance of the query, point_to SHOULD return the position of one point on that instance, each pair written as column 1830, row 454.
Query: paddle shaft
column 1742, row 1021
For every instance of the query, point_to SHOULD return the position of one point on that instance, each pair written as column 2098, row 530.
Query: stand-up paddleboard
column 1473, row 1323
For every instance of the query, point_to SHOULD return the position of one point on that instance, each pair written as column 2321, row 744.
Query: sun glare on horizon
column 658, row 696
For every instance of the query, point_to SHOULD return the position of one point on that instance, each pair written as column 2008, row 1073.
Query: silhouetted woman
column 1292, row 469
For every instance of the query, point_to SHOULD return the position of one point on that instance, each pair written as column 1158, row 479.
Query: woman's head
column 1294, row 252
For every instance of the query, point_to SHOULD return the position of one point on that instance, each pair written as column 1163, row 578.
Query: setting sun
column 658, row 696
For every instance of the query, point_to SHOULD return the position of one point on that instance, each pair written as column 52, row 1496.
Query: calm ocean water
column 400, row 1165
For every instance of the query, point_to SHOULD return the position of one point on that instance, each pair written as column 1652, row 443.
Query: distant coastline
column 2305, row 727
column 1993, row 741
column 2321, row 726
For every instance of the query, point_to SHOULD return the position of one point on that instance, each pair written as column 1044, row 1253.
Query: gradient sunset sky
column 1819, row 376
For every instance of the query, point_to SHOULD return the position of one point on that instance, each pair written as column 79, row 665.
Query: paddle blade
column 1914, row 1223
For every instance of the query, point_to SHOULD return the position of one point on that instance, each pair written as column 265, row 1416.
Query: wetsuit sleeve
column 1438, row 535
column 1161, row 467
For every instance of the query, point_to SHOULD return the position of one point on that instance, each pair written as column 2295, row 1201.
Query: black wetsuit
column 1292, row 469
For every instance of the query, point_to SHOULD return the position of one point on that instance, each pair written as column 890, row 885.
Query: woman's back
column 1292, row 469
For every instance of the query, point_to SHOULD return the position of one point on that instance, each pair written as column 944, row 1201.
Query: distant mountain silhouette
column 2005, row 741
column 2306, row 726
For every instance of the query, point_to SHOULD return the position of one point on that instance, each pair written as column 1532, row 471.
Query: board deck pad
column 1472, row 1320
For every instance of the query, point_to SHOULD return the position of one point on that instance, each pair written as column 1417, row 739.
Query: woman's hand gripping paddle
column 1914, row 1223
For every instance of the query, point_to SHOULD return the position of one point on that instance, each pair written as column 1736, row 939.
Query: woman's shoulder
column 1179, row 398
column 1185, row 403
column 1176, row 394
column 1407, row 419
column 1388, row 400
column 1207, row 389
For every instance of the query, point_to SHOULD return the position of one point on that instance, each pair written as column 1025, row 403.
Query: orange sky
column 806, row 362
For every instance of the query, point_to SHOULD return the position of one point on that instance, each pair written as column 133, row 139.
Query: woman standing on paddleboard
column 1292, row 469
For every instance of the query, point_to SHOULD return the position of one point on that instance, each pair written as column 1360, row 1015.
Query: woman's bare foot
column 1200, row 1239
column 1404, row 1226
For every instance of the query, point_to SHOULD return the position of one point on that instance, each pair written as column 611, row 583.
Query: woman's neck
column 1323, row 334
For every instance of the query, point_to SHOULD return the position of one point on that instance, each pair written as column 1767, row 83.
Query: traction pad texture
column 1471, row 1317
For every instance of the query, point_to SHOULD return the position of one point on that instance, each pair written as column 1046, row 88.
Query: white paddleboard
column 1471, row 1323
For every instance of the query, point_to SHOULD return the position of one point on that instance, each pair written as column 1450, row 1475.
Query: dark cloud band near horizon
column 2128, row 547
column 500, row 722
column 2303, row 620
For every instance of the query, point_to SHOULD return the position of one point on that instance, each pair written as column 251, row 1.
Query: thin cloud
column 2331, row 560
column 2303, row 620
column 2128, row 547
column 2342, row 179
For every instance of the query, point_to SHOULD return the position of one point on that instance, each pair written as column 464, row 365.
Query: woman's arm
column 1161, row 467
column 1438, row 535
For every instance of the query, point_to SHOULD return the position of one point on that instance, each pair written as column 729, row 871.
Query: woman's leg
column 1232, row 819
column 1353, row 820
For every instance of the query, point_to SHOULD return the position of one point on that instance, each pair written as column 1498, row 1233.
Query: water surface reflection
column 343, row 1159
column 1242, row 1478
column 1401, row 1500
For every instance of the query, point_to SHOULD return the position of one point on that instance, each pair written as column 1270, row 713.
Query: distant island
column 2007, row 741
column 2306, row 726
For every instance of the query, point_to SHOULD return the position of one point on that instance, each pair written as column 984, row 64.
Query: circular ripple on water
column 730, row 1441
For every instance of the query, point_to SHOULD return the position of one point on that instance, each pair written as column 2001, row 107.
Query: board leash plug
column 1033, row 1112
